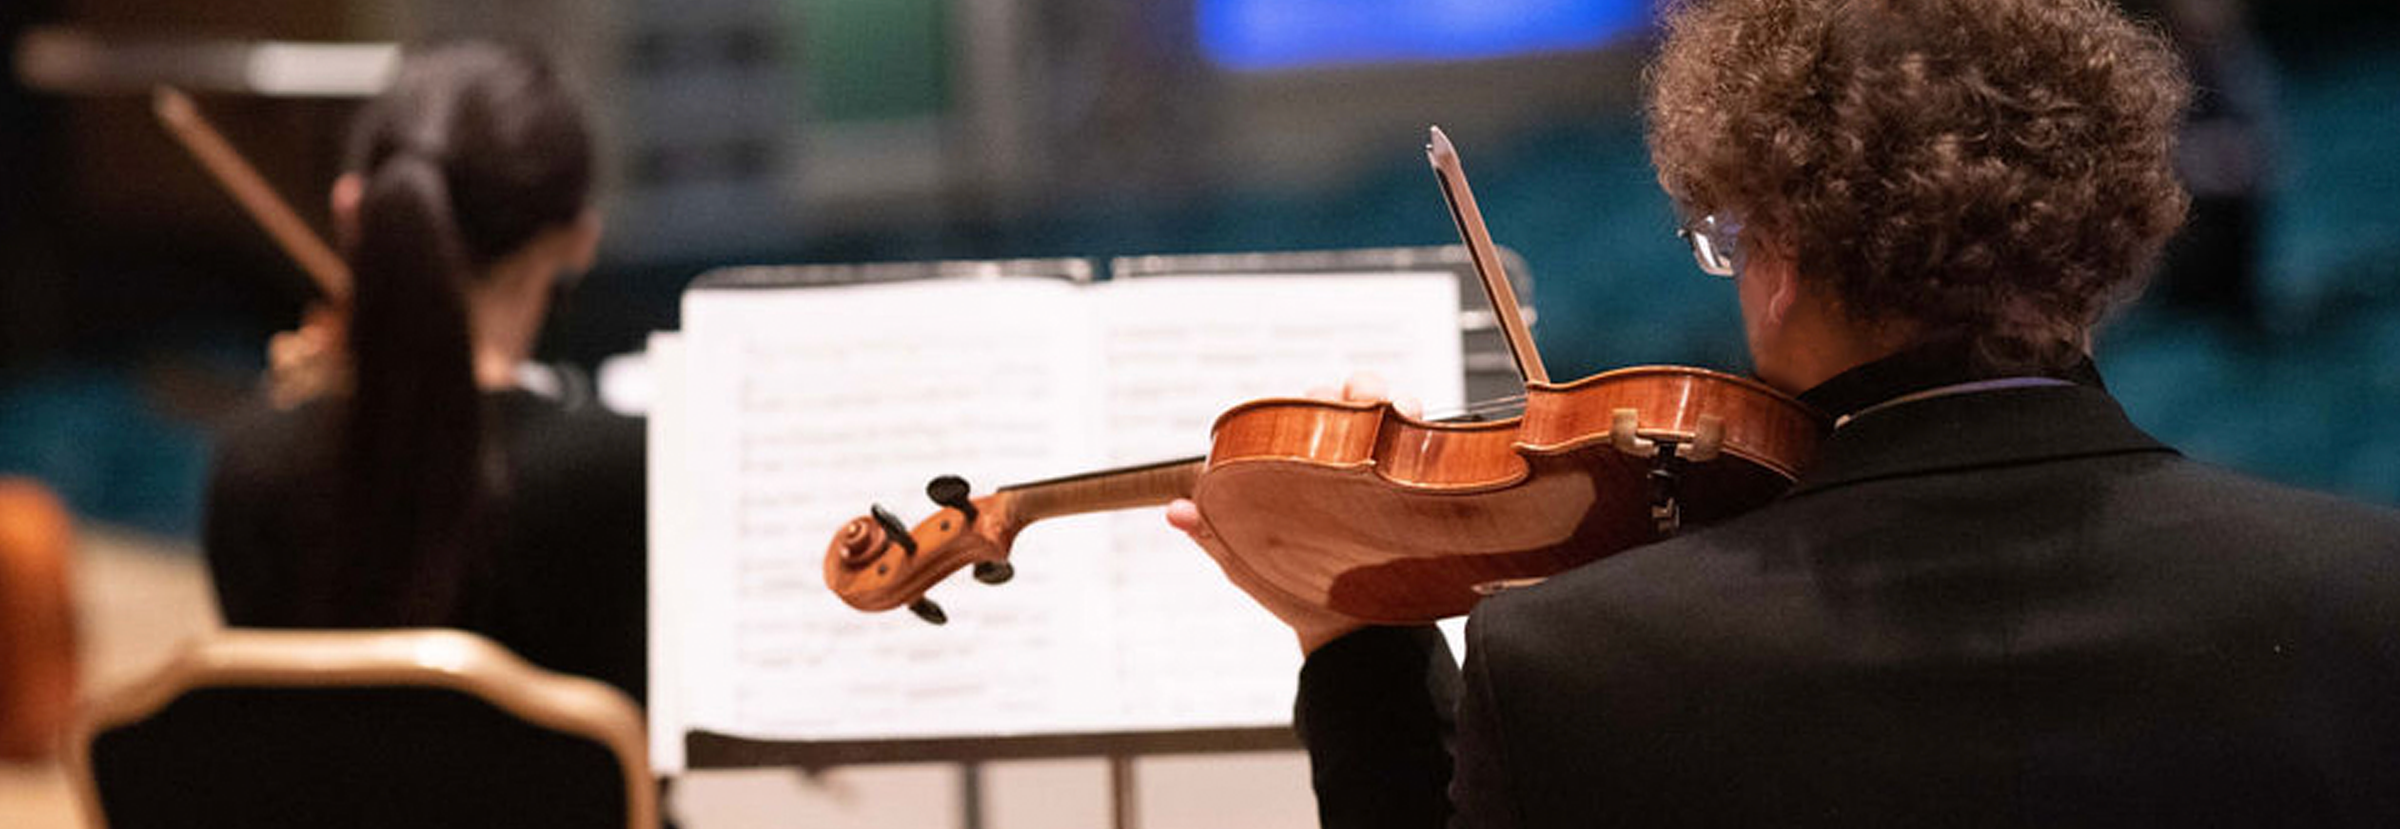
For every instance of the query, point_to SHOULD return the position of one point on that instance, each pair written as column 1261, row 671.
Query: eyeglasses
column 1716, row 244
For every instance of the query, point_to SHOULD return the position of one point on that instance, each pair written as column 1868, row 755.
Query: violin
column 1385, row 518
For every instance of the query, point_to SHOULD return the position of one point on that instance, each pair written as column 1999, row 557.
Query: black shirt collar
column 1947, row 433
column 2012, row 423
column 1918, row 368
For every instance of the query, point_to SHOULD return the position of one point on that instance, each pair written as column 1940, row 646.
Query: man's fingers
column 1368, row 387
column 1184, row 515
column 1365, row 386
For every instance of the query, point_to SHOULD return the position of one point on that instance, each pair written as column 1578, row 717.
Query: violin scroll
column 875, row 562
column 862, row 540
column 862, row 567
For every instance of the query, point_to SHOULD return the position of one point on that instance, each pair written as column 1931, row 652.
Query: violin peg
column 893, row 529
column 994, row 572
column 927, row 610
column 951, row 491
column 1708, row 439
column 1624, row 430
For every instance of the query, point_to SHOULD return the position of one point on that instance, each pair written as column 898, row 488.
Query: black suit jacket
column 2007, row 608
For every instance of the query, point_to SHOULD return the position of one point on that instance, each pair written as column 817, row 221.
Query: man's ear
column 1779, row 281
column 348, row 190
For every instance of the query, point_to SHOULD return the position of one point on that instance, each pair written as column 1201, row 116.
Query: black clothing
column 1998, row 608
column 1379, row 733
column 390, row 757
column 566, row 589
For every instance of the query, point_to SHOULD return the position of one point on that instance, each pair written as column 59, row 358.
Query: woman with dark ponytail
column 435, row 492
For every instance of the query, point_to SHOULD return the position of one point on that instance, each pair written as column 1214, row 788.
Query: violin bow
column 182, row 119
column 1486, row 257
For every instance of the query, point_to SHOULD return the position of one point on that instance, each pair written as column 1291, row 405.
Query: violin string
column 1511, row 405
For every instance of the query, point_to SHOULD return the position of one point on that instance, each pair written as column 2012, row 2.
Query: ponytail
column 414, row 487
column 473, row 151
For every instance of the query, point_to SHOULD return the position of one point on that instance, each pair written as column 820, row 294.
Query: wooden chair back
column 362, row 729
column 37, row 620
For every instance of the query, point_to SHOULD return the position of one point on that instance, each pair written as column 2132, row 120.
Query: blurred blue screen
column 1291, row 34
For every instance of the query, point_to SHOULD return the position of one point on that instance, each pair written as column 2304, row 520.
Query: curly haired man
column 1992, row 601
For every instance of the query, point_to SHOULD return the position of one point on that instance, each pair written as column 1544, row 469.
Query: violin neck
column 1114, row 489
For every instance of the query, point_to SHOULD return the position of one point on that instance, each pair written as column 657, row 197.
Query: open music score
column 786, row 411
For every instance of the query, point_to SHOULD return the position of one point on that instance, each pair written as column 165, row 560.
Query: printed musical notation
column 793, row 409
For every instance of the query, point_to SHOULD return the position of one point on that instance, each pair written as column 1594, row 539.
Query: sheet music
column 1180, row 351
column 670, row 531
column 799, row 407
column 812, row 405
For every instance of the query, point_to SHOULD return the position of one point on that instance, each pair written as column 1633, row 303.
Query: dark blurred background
column 136, row 300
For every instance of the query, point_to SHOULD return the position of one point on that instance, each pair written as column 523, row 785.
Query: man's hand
column 308, row 362
column 1314, row 625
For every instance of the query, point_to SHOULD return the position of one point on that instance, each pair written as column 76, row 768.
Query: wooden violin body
column 1389, row 519
column 1386, row 519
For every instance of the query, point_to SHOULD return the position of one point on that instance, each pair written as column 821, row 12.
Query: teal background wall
column 2309, row 396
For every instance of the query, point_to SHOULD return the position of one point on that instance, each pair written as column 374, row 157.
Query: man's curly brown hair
column 1994, row 169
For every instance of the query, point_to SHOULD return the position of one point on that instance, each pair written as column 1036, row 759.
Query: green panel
column 867, row 60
